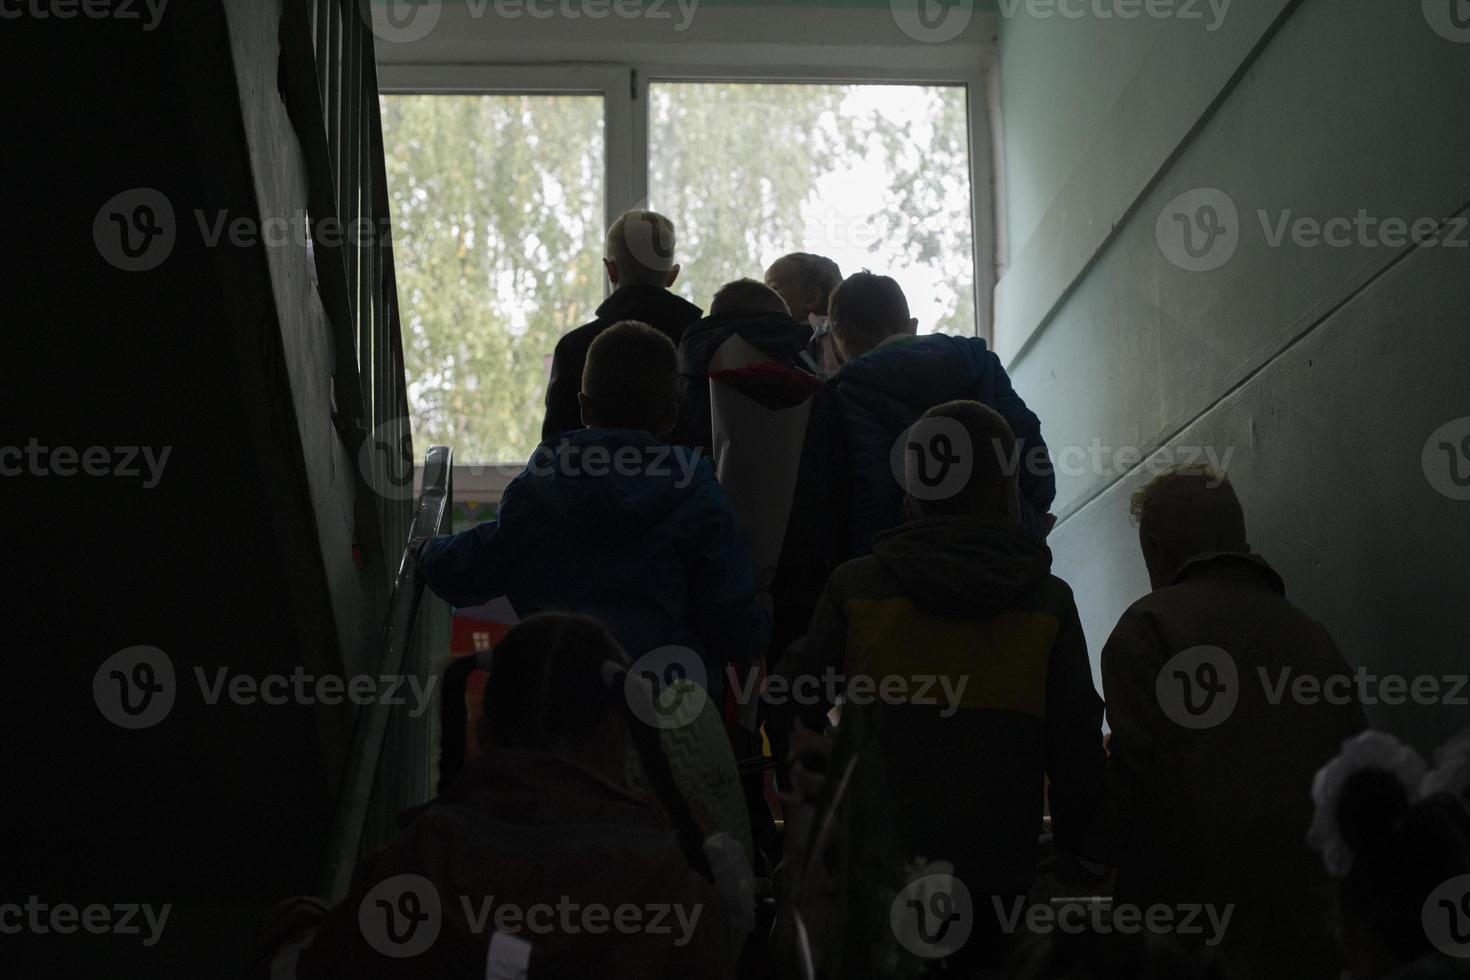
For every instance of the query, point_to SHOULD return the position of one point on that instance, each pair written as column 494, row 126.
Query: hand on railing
column 430, row 518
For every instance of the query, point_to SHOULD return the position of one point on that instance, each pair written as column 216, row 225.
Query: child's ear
column 813, row 301
column 914, row 325
column 1148, row 544
column 671, row 418
column 837, row 337
column 1013, row 502
column 588, row 412
column 612, row 271
column 912, row 509
column 1156, row 558
column 673, row 274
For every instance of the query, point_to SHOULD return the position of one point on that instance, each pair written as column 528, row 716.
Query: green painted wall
column 1322, row 371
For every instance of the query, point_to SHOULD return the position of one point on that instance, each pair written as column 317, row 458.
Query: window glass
column 498, row 212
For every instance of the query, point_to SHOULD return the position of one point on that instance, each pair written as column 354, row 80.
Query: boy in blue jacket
column 892, row 377
column 612, row 522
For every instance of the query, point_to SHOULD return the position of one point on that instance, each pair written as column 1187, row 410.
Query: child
column 986, row 688
column 612, row 522
column 891, row 377
column 541, row 821
column 745, row 309
column 639, row 259
column 779, row 458
column 1208, row 773
column 805, row 282
column 1397, row 841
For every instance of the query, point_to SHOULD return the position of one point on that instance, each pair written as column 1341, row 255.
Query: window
column 872, row 176
column 503, row 180
column 498, row 218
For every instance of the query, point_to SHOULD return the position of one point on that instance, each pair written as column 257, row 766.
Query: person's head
column 640, row 250
column 866, row 309
column 630, row 379
column 747, row 296
column 560, row 684
column 805, row 281
column 1184, row 512
column 961, row 433
column 556, row 686
column 1399, row 850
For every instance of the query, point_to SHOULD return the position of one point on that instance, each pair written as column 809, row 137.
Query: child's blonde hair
column 641, row 244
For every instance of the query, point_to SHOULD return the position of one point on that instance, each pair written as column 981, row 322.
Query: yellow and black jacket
column 967, row 658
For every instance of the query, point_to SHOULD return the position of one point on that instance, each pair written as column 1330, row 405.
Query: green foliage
column 498, row 217
column 497, row 223
column 734, row 165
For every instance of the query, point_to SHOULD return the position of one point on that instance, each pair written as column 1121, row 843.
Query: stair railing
column 360, row 781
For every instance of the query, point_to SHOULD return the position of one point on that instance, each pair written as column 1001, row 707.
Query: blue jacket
column 885, row 391
column 622, row 527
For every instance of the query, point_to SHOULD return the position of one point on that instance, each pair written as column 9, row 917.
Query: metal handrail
column 370, row 728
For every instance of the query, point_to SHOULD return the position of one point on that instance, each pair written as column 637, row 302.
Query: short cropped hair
column 986, row 443
column 815, row 272
column 630, row 376
column 866, row 310
column 747, row 295
column 641, row 244
column 1192, row 510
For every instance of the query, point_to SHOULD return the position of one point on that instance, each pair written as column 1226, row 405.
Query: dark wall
column 237, row 558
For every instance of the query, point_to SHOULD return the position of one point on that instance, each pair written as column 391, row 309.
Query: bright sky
column 837, row 219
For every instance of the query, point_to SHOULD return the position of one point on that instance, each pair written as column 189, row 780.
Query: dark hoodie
column 664, row 311
column 967, row 615
column 620, row 526
column 885, row 391
column 775, row 335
